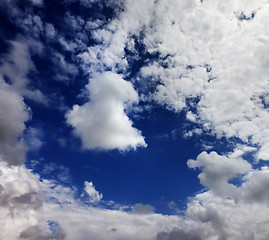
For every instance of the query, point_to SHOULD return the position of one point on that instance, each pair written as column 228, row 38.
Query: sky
column 134, row 119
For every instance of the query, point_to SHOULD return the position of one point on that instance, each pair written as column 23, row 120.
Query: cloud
column 255, row 186
column 42, row 209
column 94, row 195
column 31, row 206
column 16, row 66
column 64, row 71
column 102, row 122
column 200, row 59
column 34, row 232
column 197, row 50
column 14, row 114
column 37, row 2
column 33, row 138
column 140, row 208
column 178, row 234
column 217, row 170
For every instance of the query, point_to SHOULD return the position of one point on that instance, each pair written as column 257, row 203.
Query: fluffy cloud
column 199, row 58
column 102, row 122
column 217, row 170
column 255, row 186
column 94, row 195
column 210, row 51
column 35, row 209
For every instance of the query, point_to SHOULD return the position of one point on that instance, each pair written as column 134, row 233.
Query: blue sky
column 134, row 119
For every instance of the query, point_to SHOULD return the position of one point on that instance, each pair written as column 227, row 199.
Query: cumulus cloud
column 102, row 122
column 255, row 186
column 209, row 52
column 201, row 60
column 217, row 170
column 94, row 195
column 35, row 209
column 42, row 209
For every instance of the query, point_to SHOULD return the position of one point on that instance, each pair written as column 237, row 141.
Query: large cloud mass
column 207, row 58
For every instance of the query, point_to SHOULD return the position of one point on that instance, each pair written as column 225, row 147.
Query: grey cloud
column 17, row 64
column 14, row 114
column 140, row 208
column 64, row 71
column 179, row 234
column 256, row 186
column 35, row 233
column 19, row 193
column 217, row 170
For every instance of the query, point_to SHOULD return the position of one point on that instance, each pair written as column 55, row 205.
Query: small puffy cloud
column 102, row 122
column 217, row 170
column 94, row 195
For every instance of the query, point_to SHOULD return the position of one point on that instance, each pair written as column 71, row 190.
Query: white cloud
column 217, row 170
column 35, row 209
column 102, row 122
column 205, row 52
column 94, row 195
column 30, row 206
column 229, row 220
